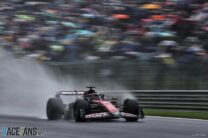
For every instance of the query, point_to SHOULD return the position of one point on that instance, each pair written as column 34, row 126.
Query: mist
column 26, row 85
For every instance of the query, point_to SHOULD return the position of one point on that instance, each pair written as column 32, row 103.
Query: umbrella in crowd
column 151, row 6
column 50, row 13
column 120, row 16
column 84, row 33
column 88, row 15
column 158, row 17
column 57, row 48
column 69, row 24
column 168, row 43
column 51, row 22
column 22, row 17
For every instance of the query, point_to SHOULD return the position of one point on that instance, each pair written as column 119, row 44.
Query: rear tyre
column 54, row 109
column 81, row 108
column 131, row 106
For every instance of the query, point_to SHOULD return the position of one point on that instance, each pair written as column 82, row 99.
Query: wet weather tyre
column 81, row 108
column 54, row 109
column 132, row 107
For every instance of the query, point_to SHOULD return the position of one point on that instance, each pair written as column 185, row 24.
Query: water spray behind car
column 26, row 85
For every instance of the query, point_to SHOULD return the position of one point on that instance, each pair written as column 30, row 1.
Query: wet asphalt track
column 150, row 127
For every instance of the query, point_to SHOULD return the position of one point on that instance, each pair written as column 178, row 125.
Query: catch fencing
column 137, row 75
column 155, row 85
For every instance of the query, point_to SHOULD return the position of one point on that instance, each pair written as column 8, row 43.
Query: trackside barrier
column 173, row 99
column 196, row 100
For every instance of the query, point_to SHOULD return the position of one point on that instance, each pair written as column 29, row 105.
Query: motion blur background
column 137, row 44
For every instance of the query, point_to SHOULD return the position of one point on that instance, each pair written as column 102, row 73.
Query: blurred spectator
column 74, row 30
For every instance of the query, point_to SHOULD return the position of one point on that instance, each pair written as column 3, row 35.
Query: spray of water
column 25, row 86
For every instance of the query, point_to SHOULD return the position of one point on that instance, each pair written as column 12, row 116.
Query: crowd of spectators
column 78, row 30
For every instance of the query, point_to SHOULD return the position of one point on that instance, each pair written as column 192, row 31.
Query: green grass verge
column 177, row 113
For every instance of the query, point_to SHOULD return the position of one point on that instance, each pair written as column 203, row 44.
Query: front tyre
column 131, row 106
column 81, row 108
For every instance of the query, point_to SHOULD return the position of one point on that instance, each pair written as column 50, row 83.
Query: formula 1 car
column 92, row 105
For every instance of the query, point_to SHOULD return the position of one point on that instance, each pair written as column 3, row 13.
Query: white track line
column 178, row 118
column 153, row 91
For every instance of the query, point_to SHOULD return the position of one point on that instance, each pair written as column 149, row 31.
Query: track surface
column 150, row 127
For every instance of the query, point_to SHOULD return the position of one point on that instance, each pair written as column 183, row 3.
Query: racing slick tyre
column 54, row 109
column 81, row 108
column 131, row 106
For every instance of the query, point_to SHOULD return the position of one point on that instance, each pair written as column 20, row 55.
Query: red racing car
column 92, row 105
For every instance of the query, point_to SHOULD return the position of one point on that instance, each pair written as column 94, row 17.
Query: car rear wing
column 69, row 93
